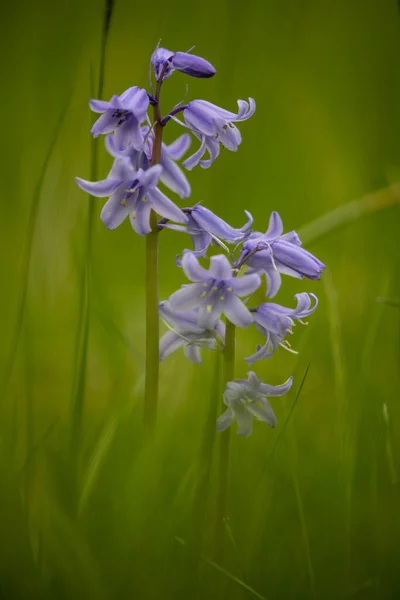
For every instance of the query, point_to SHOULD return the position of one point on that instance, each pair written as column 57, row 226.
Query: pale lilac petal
column 195, row 158
column 217, row 226
column 245, row 423
column 192, row 268
column 150, row 177
column 182, row 320
column 225, row 420
column 213, row 149
column 122, row 169
column 230, row 138
column 274, row 281
column 164, row 206
column 192, row 65
column 169, row 342
column 246, row 110
column 122, row 136
column 210, row 313
column 220, row 267
column 193, row 354
column 173, row 177
column 243, row 286
column 298, row 259
column 179, row 147
column 100, row 189
column 99, row 106
column 140, row 218
column 275, row 227
column 263, row 352
column 201, row 120
column 136, row 101
column 291, row 237
column 115, row 211
column 136, row 135
column 237, row 312
column 276, row 390
column 104, row 124
column 189, row 296
column 265, row 414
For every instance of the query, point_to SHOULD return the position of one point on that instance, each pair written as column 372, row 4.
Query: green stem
column 78, row 392
column 152, row 328
column 224, row 460
column 152, row 318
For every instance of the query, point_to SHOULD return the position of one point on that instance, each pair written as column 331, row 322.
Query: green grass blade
column 350, row 213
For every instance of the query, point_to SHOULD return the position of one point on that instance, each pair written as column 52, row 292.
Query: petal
column 220, row 267
column 263, row 352
column 292, row 238
column 274, row 281
column 189, row 296
column 122, row 169
column 169, row 342
column 140, row 218
column 209, row 314
column 173, row 177
column 276, row 390
column 164, row 206
column 99, row 106
column 183, row 320
column 192, row 65
column 201, row 119
column 195, row 158
column 213, row 149
column 265, row 413
column 150, row 177
column 245, row 423
column 113, row 212
column 179, row 147
column 272, row 318
column 100, row 189
column 243, row 286
column 192, row 268
column 298, row 259
column 193, row 354
column 225, row 420
column 123, row 135
column 216, row 226
column 104, row 124
column 237, row 312
column 246, row 109
column 230, row 138
column 275, row 227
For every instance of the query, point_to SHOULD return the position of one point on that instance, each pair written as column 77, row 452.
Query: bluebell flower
column 187, row 63
column 134, row 194
column 185, row 332
column 124, row 115
column 246, row 400
column 171, row 175
column 214, row 126
column 205, row 227
column 274, row 253
column 275, row 322
column 215, row 291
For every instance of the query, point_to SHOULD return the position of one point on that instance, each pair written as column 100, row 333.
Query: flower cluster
column 194, row 313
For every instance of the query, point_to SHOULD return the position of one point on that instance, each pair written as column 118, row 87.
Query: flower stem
column 152, row 327
column 224, row 458
column 152, row 318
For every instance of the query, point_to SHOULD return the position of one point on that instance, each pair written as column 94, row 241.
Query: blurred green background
column 314, row 504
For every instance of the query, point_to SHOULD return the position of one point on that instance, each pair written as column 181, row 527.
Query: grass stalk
column 225, row 438
column 78, row 389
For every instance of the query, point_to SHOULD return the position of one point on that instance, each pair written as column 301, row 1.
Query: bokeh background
column 314, row 504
